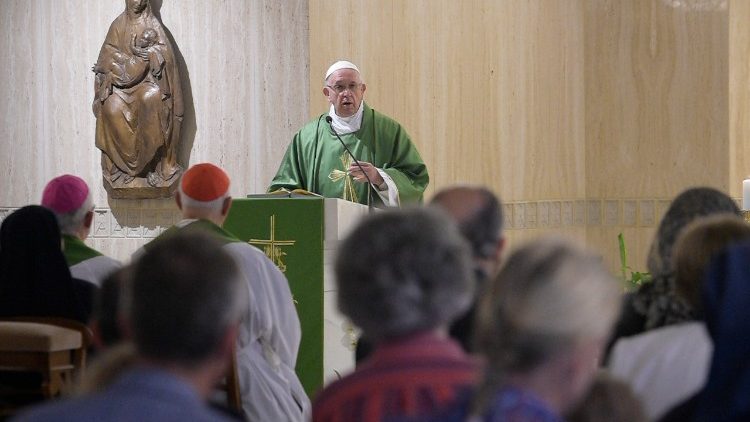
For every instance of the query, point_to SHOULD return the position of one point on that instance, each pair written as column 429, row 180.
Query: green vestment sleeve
column 316, row 161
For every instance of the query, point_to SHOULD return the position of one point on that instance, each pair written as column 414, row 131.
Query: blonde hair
column 695, row 247
column 549, row 297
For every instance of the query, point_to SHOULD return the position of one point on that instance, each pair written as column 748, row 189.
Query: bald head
column 477, row 212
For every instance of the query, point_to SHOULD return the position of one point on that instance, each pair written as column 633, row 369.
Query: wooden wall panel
column 739, row 95
column 486, row 98
column 657, row 109
column 656, row 98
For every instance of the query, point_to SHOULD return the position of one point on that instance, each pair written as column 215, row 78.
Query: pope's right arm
column 290, row 174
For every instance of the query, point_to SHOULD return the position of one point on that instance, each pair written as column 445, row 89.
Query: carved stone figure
column 138, row 106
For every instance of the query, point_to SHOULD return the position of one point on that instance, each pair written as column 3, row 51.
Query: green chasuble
column 316, row 161
column 76, row 251
column 196, row 226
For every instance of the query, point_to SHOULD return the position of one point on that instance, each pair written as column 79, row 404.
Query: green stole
column 197, row 226
column 76, row 251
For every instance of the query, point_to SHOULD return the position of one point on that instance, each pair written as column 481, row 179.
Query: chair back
column 39, row 358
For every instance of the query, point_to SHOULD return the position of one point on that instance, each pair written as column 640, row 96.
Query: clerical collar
column 344, row 125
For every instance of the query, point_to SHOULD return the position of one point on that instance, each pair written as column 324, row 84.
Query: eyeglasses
column 341, row 88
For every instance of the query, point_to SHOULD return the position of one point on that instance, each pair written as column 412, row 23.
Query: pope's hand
column 372, row 173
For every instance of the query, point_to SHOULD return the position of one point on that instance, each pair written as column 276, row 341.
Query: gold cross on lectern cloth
column 272, row 246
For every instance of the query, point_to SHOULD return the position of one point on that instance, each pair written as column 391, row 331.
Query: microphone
column 370, row 186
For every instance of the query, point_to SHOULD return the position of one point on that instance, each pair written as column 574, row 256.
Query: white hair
column 213, row 205
column 551, row 293
column 71, row 222
column 550, row 296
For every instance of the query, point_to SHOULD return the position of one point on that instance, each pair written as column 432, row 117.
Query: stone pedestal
column 139, row 188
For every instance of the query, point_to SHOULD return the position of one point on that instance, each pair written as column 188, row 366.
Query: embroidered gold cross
column 349, row 193
column 272, row 247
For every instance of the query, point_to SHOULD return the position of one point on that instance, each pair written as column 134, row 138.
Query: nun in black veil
column 34, row 277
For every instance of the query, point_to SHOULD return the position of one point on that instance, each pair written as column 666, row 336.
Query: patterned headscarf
column 657, row 301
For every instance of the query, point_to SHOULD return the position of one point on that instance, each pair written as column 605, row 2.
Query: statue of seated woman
column 137, row 102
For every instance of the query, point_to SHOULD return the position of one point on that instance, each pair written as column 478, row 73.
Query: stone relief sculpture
column 138, row 106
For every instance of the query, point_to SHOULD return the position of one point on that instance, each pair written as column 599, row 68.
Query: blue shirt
column 140, row 394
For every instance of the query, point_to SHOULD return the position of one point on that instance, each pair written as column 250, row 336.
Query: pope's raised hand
column 372, row 173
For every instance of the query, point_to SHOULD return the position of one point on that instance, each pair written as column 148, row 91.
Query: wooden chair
column 54, row 348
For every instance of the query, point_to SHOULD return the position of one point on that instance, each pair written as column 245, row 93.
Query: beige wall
column 492, row 92
column 586, row 116
column 657, row 110
column 240, row 110
column 739, row 94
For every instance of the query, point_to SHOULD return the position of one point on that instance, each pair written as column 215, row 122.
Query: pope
column 317, row 161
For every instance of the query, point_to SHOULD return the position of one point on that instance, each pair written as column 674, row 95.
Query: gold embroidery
column 349, row 193
column 272, row 247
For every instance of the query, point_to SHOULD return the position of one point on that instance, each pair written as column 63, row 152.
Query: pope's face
column 136, row 6
column 345, row 90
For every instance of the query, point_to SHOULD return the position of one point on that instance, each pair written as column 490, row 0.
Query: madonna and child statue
column 138, row 106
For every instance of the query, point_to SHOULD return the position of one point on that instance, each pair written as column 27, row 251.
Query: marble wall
column 244, row 66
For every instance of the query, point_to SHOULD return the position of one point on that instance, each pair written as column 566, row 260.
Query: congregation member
column 70, row 199
column 726, row 304
column 183, row 308
column 34, row 277
column 402, row 277
column 317, row 161
column 270, row 332
column 105, row 319
column 669, row 364
column 477, row 212
column 655, row 303
column 542, row 326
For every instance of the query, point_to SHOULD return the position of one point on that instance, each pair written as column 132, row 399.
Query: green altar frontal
column 290, row 232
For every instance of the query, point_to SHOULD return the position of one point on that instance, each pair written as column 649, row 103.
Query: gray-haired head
column 404, row 271
column 549, row 295
column 185, row 293
column 686, row 207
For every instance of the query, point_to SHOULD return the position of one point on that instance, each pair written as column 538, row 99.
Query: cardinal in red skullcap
column 270, row 334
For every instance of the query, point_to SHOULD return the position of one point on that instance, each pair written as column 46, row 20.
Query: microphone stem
column 370, row 186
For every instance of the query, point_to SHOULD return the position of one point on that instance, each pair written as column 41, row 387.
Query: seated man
column 69, row 198
column 270, row 332
column 402, row 277
column 184, row 309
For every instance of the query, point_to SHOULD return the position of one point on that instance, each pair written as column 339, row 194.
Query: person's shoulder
column 105, row 262
column 685, row 339
column 77, row 409
column 250, row 254
column 382, row 119
column 332, row 396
